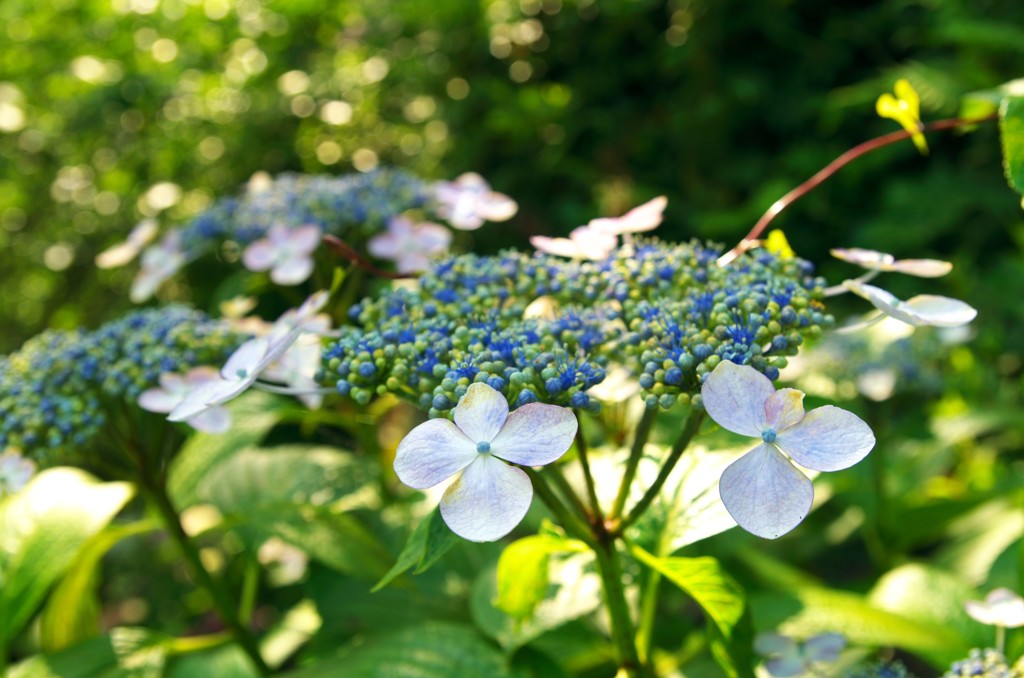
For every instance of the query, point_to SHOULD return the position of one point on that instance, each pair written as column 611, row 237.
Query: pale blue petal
column 481, row 413
column 535, row 434
column 824, row 647
column 244, row 361
column 734, row 396
column 206, row 396
column 782, row 667
column 766, row 644
column 213, row 420
column 827, row 439
column 433, row 452
column 938, row 311
column 765, row 493
column 487, row 501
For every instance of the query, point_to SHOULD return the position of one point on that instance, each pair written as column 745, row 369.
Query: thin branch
column 348, row 253
column 826, row 172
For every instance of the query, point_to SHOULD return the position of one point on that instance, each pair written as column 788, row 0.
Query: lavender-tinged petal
column 535, row 435
column 735, row 395
column 481, row 413
column 764, row 493
column 433, row 452
column 487, row 501
column 827, row 439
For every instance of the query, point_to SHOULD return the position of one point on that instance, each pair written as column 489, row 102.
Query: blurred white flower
column 285, row 251
column 923, row 309
column 173, row 389
column 468, row 202
column 411, row 246
column 640, row 219
column 124, row 252
column 489, row 497
column 159, row 263
column 15, row 472
column 1002, row 607
column 786, row 657
column 583, row 242
column 762, row 490
column 237, row 307
column 880, row 261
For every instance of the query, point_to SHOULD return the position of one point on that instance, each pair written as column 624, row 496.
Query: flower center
column 242, row 373
column 768, row 435
column 483, row 448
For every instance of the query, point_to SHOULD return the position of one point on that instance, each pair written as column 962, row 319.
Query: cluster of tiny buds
column 540, row 328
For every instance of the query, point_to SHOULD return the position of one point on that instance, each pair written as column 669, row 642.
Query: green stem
column 250, row 588
column 157, row 494
column 572, row 525
column 690, row 429
column 568, row 493
column 581, row 450
column 649, row 598
column 623, row 638
column 643, row 432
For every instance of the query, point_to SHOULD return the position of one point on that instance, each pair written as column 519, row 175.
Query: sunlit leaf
column 523, row 572
column 1011, row 128
column 426, row 544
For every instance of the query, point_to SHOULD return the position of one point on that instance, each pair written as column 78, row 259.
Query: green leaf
column 227, row 661
column 574, row 591
column 253, row 415
column 430, row 650
column 426, row 544
column 72, row 611
column 1011, row 128
column 124, row 653
column 718, row 594
column 523, row 572
column 299, row 494
column 42, row 530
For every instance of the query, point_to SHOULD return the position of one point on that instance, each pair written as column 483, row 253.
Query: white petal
column 384, row 246
column 923, row 268
column 939, row 311
column 481, row 413
column 245, row 359
column 158, row 400
column 206, row 396
column 535, row 435
column 764, row 493
column 433, row 452
column 143, row 233
column 646, row 217
column 487, row 501
column 412, row 263
column 1002, row 607
column 827, row 439
column 784, row 408
column 560, row 247
column 783, row 667
column 497, row 207
column 304, row 239
column 292, row 271
column 259, row 256
column 735, row 395
column 774, row 643
column 824, row 647
column 118, row 255
column 433, row 238
column 213, row 420
column 870, row 259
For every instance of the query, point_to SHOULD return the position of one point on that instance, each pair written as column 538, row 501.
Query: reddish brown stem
column 828, row 170
column 347, row 252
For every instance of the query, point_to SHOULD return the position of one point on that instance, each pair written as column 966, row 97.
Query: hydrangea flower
column 787, row 657
column 175, row 387
column 923, row 309
column 469, row 201
column 285, row 251
column 488, row 497
column 251, row 359
column 411, row 246
column 159, row 263
column 987, row 663
column 640, row 219
column 298, row 368
column 124, row 252
column 15, row 472
column 584, row 242
column 883, row 262
column 762, row 490
column 904, row 108
column 1002, row 607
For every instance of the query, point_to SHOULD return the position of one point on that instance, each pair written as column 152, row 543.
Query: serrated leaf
column 426, row 544
column 72, row 611
column 1011, row 131
column 299, row 494
column 253, row 415
column 430, row 650
column 718, row 594
column 523, row 572
column 42, row 530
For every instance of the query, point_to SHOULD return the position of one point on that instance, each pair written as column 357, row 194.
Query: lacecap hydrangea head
column 666, row 312
column 62, row 387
